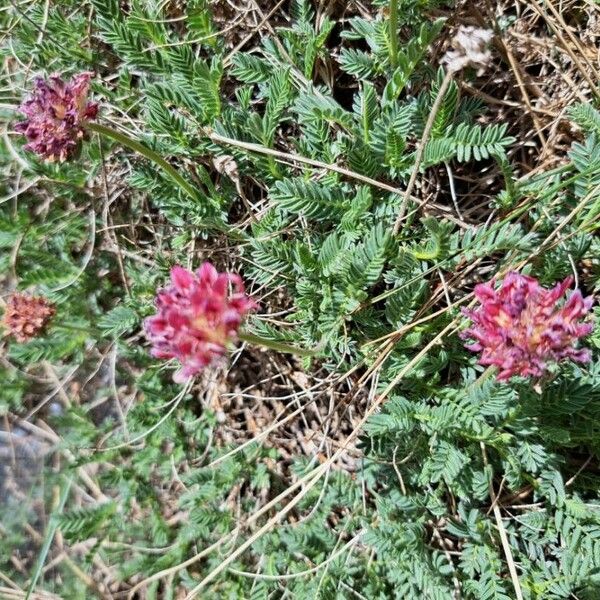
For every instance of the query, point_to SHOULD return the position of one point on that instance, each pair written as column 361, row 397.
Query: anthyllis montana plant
column 304, row 163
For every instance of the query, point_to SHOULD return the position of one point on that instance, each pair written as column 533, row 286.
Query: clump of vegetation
column 392, row 399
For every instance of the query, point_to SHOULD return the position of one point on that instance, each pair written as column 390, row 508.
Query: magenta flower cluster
column 522, row 328
column 197, row 317
column 56, row 114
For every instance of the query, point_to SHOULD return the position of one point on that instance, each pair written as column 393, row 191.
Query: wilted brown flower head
column 25, row 317
column 470, row 49
column 56, row 112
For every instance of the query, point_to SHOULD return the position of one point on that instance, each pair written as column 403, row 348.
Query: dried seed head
column 521, row 329
column 25, row 317
column 470, row 48
column 56, row 114
column 226, row 165
column 197, row 318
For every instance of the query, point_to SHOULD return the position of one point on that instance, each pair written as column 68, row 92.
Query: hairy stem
column 157, row 159
column 279, row 346
column 393, row 33
column 151, row 155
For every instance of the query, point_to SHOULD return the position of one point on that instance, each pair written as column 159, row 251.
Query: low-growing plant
column 307, row 164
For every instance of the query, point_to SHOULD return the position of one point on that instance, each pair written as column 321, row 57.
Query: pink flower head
column 521, row 329
column 56, row 113
column 197, row 317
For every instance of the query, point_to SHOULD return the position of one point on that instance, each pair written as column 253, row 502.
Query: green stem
column 148, row 153
column 157, row 159
column 51, row 530
column 280, row 347
column 507, row 173
column 393, row 33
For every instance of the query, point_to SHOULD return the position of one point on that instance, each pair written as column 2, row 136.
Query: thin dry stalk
column 557, row 31
column 503, row 537
column 421, row 148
